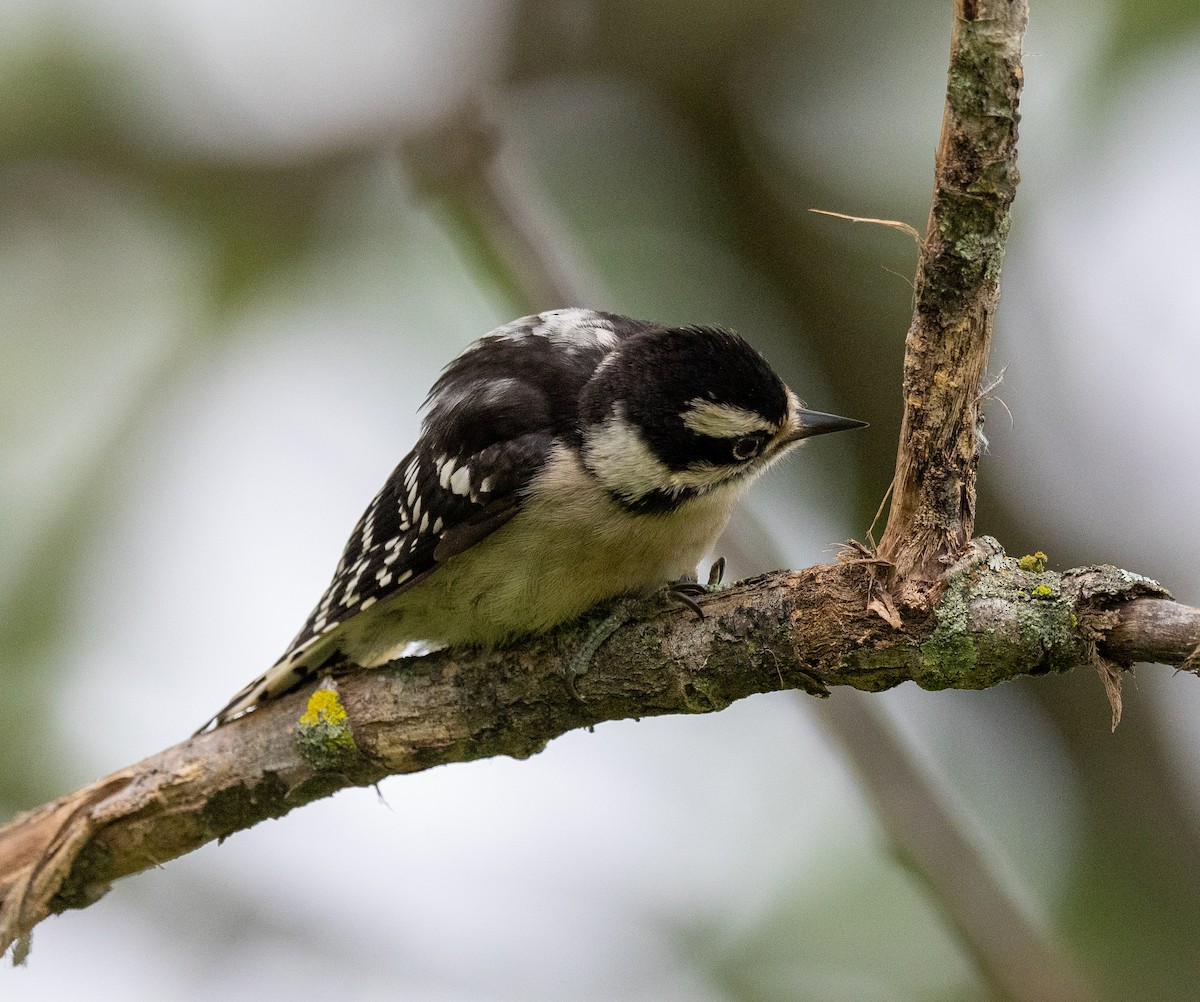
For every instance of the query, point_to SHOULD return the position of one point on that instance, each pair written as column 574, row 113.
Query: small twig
column 893, row 224
column 879, row 511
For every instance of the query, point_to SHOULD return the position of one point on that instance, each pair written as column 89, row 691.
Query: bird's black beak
column 815, row 423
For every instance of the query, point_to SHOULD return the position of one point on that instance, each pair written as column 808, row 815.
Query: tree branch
column 803, row 630
column 957, row 290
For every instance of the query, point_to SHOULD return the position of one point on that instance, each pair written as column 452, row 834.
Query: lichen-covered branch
column 807, row 630
column 957, row 290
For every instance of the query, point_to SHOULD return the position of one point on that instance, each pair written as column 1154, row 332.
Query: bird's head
column 677, row 412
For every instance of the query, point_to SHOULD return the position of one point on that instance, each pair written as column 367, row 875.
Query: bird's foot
column 686, row 590
column 682, row 592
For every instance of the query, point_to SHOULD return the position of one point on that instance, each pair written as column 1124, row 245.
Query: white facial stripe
column 707, row 417
column 605, row 362
column 626, row 465
column 622, row 460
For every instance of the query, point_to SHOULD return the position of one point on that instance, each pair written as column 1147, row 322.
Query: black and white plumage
column 565, row 458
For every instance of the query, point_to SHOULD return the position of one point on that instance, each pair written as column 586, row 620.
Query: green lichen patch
column 700, row 697
column 949, row 654
column 323, row 734
column 995, row 626
column 950, row 659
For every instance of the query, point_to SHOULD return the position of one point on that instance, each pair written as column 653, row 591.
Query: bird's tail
column 286, row 676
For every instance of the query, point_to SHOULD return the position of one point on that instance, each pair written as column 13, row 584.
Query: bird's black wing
column 492, row 419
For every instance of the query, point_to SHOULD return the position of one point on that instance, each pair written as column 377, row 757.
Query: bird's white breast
column 570, row 547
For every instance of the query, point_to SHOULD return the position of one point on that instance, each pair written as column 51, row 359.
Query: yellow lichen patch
column 324, row 736
column 1041, row 591
column 1034, row 562
column 323, row 706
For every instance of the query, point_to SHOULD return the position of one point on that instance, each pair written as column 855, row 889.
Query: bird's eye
column 747, row 447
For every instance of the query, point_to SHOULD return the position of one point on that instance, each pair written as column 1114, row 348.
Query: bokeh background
column 233, row 256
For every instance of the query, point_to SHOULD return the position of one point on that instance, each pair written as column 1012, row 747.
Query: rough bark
column 807, row 630
column 957, row 291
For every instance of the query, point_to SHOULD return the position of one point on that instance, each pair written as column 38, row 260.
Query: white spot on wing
column 460, row 483
column 576, row 328
column 367, row 603
column 445, row 469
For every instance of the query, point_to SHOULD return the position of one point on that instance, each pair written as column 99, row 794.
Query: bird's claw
column 716, row 573
column 686, row 590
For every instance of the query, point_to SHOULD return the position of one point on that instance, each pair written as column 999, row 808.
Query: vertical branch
column 957, row 290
